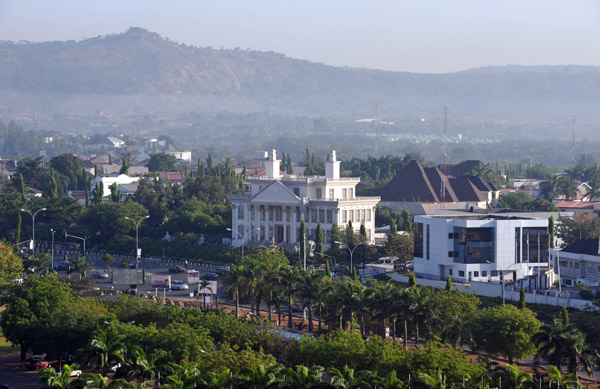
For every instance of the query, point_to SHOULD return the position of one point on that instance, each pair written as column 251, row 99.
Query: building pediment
column 276, row 192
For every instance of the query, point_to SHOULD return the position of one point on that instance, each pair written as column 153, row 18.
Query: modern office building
column 473, row 247
column 273, row 204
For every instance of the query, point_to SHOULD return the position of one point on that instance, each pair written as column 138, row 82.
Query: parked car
column 63, row 265
column 37, row 364
column 75, row 373
column 211, row 276
column 179, row 285
column 296, row 307
column 177, row 269
column 100, row 275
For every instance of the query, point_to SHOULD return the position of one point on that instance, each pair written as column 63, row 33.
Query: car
column 63, row 265
column 75, row 373
column 37, row 364
column 177, row 269
column 100, row 275
column 113, row 368
column 211, row 276
column 296, row 307
column 179, row 285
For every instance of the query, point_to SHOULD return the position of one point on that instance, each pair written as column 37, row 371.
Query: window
column 427, row 241
column 362, row 215
column 474, row 245
column 262, row 212
column 450, row 254
column 575, row 265
column 241, row 212
column 307, row 214
column 475, row 274
column 252, row 212
column 298, row 214
column 344, row 217
column 369, row 234
column 461, row 273
column 369, row 215
column 351, row 217
column 262, row 233
column 314, row 215
column 270, row 212
column 240, row 231
column 288, row 210
column 418, row 245
column 319, row 193
column 329, row 216
column 494, row 273
column 331, row 192
column 450, row 236
column 322, row 215
column 532, row 242
column 450, row 272
column 270, row 233
column 278, row 214
column 344, row 193
column 350, row 193
column 297, row 191
column 484, row 273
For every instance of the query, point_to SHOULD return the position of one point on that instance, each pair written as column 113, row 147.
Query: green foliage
column 412, row 280
column 11, row 266
column 449, row 284
column 551, row 231
column 162, row 162
column 580, row 226
column 506, row 330
column 521, row 304
column 523, row 200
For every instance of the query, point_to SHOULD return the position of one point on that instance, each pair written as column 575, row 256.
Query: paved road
column 14, row 372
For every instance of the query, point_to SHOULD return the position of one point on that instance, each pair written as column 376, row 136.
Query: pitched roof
column 576, row 204
column 415, row 183
column 462, row 169
column 584, row 246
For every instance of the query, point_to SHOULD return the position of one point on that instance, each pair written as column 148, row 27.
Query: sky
column 426, row 36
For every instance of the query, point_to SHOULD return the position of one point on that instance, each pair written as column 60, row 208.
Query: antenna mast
column 443, row 186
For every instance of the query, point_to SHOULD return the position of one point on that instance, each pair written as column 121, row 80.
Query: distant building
column 474, row 247
column 107, row 181
column 579, row 262
column 419, row 189
column 273, row 205
column 104, row 142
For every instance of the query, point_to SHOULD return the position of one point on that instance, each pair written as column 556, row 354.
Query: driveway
column 13, row 372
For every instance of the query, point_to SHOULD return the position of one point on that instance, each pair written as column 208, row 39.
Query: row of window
column 484, row 273
column 347, row 193
column 356, row 215
column 311, row 233
column 312, row 214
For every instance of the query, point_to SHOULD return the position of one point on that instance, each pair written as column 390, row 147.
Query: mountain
column 139, row 73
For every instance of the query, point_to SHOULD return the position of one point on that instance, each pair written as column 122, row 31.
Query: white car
column 75, row 373
column 179, row 285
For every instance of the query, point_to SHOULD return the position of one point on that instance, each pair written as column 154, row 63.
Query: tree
column 319, row 247
column 521, row 298
column 98, row 193
column 406, row 224
column 50, row 378
column 550, row 188
column 108, row 260
column 51, row 190
column 69, row 166
column 19, row 184
column 108, row 345
column 412, row 280
column 580, row 226
column 505, row 330
column 561, row 380
column 393, row 229
column 302, row 239
column 523, row 200
column 11, row 266
column 143, row 366
column 232, row 282
column 18, row 230
column 162, row 162
column 124, row 167
column 449, row 283
column 81, row 265
column 568, row 186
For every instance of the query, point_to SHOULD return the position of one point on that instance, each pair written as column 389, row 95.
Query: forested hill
column 141, row 63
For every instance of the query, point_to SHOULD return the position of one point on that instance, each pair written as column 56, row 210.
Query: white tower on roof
column 332, row 167
column 272, row 165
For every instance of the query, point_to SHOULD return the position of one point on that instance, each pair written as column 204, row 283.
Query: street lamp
column 53, row 232
column 137, row 250
column 76, row 237
column 33, row 215
column 351, row 251
column 503, row 278
column 242, row 237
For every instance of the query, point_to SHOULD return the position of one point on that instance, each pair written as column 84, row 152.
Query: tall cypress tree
column 319, row 240
column 209, row 164
column 449, row 283
column 393, row 229
column 551, row 231
column 124, row 167
column 87, row 196
column 51, row 190
column 522, row 298
column 406, row 223
column 18, row 230
column 290, row 169
column 302, row 239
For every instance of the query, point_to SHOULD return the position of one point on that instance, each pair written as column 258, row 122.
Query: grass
column 5, row 346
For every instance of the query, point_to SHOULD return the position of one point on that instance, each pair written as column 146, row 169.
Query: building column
column 284, row 215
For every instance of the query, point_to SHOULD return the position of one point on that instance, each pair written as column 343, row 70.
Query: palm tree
column 551, row 187
column 308, row 284
column 220, row 380
column 381, row 298
column 142, row 366
column 49, row 377
column 232, row 282
column 320, row 293
column 561, row 381
column 98, row 381
column 262, row 377
column 204, row 285
column 512, row 377
column 303, row 377
column 108, row 345
column 289, row 281
column 350, row 295
column 183, row 376
column 81, row 266
column 568, row 187
column 423, row 309
column 594, row 191
column 347, row 378
column 391, row 381
column 459, row 332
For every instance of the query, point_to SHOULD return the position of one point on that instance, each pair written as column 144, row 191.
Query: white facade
column 107, row 181
column 272, row 207
column 479, row 247
column 183, row 155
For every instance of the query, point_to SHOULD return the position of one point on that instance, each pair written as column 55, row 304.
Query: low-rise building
column 474, row 247
column 579, row 263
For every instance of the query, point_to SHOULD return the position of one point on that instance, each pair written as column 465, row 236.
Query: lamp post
column 137, row 250
column 503, row 278
column 76, row 237
column 33, row 215
column 242, row 237
column 52, row 256
column 351, row 250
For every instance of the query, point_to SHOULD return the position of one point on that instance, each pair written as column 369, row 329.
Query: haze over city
column 426, row 37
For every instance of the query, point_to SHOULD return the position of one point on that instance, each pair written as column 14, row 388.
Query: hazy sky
column 417, row 36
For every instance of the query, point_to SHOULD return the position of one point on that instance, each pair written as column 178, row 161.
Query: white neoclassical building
column 273, row 205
